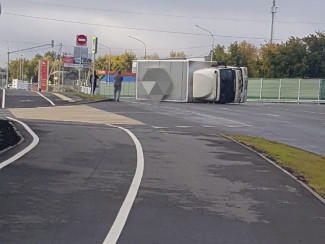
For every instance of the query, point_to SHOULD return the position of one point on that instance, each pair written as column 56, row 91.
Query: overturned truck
column 189, row 81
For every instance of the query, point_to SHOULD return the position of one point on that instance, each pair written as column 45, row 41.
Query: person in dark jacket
column 118, row 78
column 95, row 82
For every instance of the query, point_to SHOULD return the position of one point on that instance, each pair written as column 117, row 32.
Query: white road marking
column 123, row 214
column 26, row 150
column 273, row 115
column 159, row 127
column 46, row 99
column 209, row 126
column 64, row 98
column 3, row 98
column 184, row 126
column 237, row 126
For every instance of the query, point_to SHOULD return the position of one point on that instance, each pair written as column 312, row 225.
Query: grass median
column 306, row 166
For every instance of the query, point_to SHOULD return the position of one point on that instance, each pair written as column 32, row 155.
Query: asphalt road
column 298, row 125
column 197, row 187
column 69, row 188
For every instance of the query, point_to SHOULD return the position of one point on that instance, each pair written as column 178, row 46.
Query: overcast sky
column 163, row 25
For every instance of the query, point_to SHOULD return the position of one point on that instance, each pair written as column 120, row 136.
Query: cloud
column 113, row 22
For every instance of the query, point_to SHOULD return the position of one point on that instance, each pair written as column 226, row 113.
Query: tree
column 315, row 50
column 174, row 54
column 118, row 62
column 268, row 54
column 153, row 56
column 219, row 53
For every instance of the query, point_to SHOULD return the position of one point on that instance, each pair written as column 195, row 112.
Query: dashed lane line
column 26, row 150
column 159, row 127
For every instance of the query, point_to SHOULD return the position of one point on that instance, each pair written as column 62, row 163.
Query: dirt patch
column 8, row 135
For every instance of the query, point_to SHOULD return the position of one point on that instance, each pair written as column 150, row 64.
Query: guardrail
column 286, row 90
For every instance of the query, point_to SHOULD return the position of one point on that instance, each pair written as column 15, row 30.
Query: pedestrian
column 118, row 78
column 95, row 82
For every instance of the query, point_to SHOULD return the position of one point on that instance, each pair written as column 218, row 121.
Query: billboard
column 79, row 59
column 44, row 70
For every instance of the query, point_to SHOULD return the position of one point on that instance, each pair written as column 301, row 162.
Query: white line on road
column 273, row 115
column 159, row 127
column 64, row 98
column 3, row 98
column 125, row 209
column 46, row 99
column 237, row 126
column 184, row 126
column 26, row 150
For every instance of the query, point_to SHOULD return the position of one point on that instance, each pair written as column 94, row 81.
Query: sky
column 162, row 25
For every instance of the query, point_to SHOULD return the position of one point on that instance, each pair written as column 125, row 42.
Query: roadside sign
column 81, row 40
column 44, row 70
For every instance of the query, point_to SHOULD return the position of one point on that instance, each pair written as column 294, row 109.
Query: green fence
column 258, row 89
column 286, row 89
column 322, row 90
column 128, row 89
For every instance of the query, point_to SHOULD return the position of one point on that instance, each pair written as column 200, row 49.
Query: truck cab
column 220, row 84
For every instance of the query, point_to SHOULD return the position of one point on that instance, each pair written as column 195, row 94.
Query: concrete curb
column 315, row 194
column 18, row 143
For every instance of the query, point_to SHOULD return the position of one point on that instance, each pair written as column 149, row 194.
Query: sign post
column 94, row 51
column 81, row 40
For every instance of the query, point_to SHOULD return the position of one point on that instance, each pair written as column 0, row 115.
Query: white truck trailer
column 189, row 81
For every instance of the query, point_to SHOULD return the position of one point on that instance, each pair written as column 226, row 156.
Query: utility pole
column 274, row 8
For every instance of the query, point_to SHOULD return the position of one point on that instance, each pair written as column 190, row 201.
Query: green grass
column 306, row 166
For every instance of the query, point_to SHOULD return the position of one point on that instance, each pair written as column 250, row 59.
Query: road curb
column 24, row 151
column 18, row 143
column 315, row 194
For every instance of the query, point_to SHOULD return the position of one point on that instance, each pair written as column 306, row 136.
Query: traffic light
column 94, row 45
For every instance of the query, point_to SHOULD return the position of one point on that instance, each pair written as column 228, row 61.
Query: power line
column 133, row 28
column 170, row 15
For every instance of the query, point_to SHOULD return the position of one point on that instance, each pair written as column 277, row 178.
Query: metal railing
column 297, row 90
column 107, row 89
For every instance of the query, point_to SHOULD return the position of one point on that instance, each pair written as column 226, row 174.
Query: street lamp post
column 212, row 47
column 109, row 61
column 145, row 47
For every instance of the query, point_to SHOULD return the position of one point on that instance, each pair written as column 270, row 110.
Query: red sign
column 44, row 71
column 67, row 59
column 81, row 40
